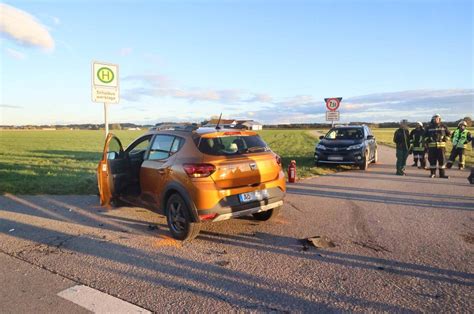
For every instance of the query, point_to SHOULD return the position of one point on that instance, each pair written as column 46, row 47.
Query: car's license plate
column 338, row 158
column 253, row 196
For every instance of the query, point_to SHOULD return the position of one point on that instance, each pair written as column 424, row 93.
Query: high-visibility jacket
column 461, row 138
column 417, row 140
column 436, row 135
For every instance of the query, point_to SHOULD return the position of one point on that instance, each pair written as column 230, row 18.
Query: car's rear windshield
column 345, row 134
column 231, row 145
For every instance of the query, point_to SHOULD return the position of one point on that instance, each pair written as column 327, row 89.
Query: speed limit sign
column 333, row 103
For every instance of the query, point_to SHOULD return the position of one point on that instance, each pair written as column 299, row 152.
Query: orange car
column 193, row 175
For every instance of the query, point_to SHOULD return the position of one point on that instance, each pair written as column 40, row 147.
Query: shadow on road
column 160, row 269
column 389, row 192
column 76, row 210
column 355, row 196
column 170, row 268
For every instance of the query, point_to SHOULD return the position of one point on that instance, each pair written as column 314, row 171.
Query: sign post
column 105, row 86
column 332, row 104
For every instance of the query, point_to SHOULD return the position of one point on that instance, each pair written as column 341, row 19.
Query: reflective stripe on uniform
column 437, row 144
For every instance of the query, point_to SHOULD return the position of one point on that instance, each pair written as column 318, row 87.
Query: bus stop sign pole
column 105, row 87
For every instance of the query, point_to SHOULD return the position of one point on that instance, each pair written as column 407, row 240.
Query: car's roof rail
column 174, row 127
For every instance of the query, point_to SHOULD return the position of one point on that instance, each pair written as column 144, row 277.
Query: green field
column 385, row 137
column 52, row 162
column 64, row 162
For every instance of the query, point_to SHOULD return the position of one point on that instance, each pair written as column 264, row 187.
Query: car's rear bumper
column 249, row 211
column 231, row 207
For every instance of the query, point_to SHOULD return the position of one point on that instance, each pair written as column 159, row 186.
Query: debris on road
column 222, row 263
column 320, row 242
column 468, row 237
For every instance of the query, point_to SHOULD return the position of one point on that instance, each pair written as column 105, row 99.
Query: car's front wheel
column 365, row 162
column 268, row 214
column 179, row 219
column 376, row 156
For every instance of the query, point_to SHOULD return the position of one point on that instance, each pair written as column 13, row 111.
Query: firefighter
column 436, row 136
column 460, row 138
column 402, row 139
column 417, row 145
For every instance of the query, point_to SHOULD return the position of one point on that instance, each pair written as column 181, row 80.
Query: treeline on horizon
column 126, row 126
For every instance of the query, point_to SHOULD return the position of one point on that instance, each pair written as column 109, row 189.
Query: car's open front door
column 111, row 168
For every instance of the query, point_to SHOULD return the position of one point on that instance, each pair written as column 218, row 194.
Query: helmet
column 462, row 123
column 418, row 123
column 436, row 116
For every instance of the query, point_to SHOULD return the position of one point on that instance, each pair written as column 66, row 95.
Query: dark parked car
column 347, row 145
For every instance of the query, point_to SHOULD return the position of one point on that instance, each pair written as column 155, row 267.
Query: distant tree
column 115, row 126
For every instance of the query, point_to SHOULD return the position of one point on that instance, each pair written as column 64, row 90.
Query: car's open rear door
column 109, row 168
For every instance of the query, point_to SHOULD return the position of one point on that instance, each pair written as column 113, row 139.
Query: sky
column 271, row 61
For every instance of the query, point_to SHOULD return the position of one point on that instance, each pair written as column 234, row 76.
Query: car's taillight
column 199, row 170
column 278, row 160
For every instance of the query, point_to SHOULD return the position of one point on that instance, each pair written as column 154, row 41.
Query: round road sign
column 332, row 104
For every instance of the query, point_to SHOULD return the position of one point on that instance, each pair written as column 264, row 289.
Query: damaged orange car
column 192, row 175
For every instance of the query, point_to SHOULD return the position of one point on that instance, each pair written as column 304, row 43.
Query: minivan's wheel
column 365, row 162
column 376, row 157
column 179, row 219
column 268, row 214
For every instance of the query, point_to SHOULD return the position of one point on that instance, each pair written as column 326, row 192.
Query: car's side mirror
column 370, row 137
column 112, row 155
column 321, row 137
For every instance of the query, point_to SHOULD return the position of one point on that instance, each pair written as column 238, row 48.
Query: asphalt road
column 401, row 244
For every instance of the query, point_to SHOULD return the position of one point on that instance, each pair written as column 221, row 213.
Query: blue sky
column 270, row 61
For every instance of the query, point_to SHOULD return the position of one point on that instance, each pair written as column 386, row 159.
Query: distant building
column 250, row 125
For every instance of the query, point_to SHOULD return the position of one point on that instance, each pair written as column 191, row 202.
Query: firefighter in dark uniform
column 460, row 138
column 417, row 145
column 436, row 136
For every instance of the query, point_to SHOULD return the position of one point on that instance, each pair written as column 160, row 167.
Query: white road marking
column 98, row 302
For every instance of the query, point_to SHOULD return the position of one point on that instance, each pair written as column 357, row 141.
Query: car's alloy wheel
column 179, row 220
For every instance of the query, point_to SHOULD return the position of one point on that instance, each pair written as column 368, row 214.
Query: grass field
column 64, row 162
column 385, row 137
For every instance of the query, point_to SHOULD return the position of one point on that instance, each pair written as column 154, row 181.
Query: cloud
column 153, row 85
column 15, row 54
column 125, row 51
column 10, row 106
column 258, row 97
column 151, row 80
column 393, row 106
column 413, row 105
column 24, row 28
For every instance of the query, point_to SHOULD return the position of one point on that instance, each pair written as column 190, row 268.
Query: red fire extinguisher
column 292, row 172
